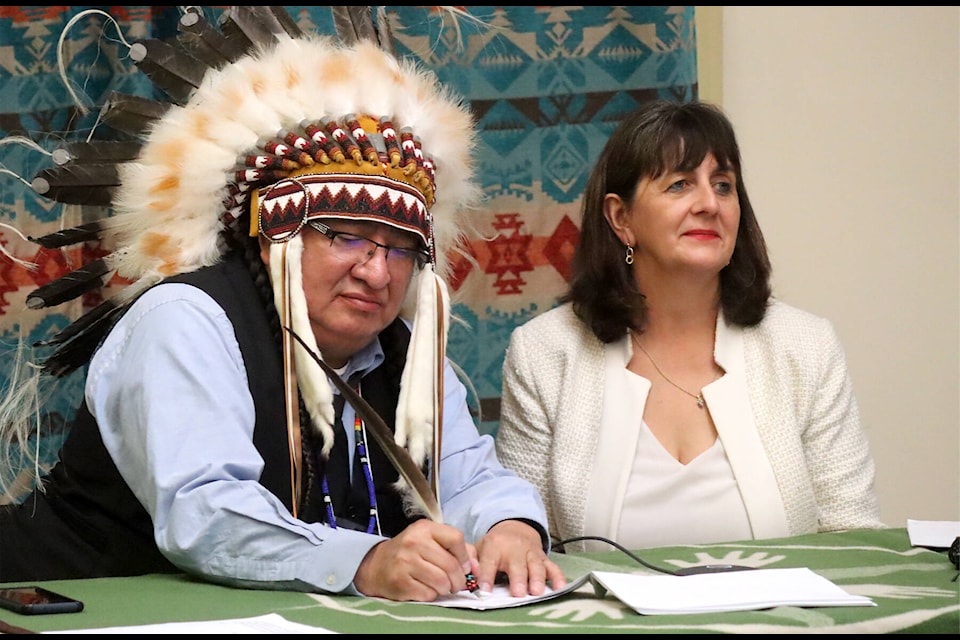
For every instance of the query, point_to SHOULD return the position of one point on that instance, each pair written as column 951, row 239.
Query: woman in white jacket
column 670, row 399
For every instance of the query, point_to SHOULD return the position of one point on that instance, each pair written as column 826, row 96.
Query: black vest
column 89, row 513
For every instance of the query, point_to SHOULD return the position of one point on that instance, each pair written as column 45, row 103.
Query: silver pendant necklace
column 696, row 396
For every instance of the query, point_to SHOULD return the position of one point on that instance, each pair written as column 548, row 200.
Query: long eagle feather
column 354, row 23
column 425, row 498
column 67, row 237
column 71, row 285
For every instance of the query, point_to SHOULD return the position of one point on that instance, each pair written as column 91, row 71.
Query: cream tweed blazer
column 784, row 411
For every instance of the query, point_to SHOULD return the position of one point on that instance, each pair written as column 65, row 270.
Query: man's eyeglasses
column 358, row 249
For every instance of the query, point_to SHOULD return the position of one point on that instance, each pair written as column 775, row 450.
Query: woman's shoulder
column 560, row 318
column 788, row 327
column 782, row 315
column 557, row 328
column 556, row 338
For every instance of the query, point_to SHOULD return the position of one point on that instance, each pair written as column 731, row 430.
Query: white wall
column 848, row 122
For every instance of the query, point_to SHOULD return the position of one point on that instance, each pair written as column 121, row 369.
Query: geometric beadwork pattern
column 546, row 85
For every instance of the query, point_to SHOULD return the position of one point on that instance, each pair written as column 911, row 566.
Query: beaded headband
column 358, row 170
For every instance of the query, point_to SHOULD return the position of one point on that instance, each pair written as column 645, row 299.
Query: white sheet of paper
column 933, row 533
column 500, row 597
column 270, row 623
column 665, row 594
column 729, row 591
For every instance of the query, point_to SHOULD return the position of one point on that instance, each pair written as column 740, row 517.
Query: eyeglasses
column 358, row 249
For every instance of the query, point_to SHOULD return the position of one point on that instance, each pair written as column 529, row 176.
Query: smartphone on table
column 32, row 600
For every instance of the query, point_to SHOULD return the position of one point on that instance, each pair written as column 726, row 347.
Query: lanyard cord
column 361, row 458
column 360, row 433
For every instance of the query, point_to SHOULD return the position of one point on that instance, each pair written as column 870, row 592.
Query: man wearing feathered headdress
column 283, row 227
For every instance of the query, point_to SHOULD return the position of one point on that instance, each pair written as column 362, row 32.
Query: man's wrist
column 544, row 539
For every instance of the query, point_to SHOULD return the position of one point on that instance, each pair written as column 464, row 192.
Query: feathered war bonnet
column 303, row 127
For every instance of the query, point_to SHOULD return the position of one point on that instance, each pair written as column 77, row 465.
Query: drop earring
column 628, row 258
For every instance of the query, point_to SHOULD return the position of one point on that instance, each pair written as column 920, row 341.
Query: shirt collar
column 364, row 361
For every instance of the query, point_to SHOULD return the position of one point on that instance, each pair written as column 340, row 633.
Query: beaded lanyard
column 360, row 436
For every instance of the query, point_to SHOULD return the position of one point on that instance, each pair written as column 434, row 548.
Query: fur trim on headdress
column 170, row 199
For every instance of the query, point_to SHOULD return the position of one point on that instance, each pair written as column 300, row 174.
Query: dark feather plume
column 90, row 184
column 80, row 339
column 69, row 286
column 131, row 114
column 257, row 26
column 384, row 33
column 67, row 237
column 100, row 174
column 285, row 20
column 96, row 152
column 354, row 24
column 205, row 42
column 88, row 323
column 169, row 67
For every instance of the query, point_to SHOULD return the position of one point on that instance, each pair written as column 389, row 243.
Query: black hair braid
column 261, row 279
column 309, row 442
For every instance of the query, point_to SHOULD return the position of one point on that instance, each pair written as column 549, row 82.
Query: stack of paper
column 730, row 591
column 938, row 534
column 699, row 593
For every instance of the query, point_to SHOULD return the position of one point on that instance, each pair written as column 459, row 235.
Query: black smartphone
column 37, row 600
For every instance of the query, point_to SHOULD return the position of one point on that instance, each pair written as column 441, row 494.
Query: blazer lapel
column 729, row 402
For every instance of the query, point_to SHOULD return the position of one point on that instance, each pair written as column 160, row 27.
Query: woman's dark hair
column 658, row 137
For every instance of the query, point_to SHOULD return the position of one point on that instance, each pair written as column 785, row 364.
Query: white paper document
column 271, row 623
column 933, row 533
column 701, row 593
column 728, row 591
column 500, row 597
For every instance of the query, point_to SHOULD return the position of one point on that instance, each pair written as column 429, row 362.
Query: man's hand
column 424, row 561
column 514, row 548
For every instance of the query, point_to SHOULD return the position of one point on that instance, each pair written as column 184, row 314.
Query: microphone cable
column 558, row 547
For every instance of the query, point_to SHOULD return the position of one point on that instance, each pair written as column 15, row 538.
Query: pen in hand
column 472, row 585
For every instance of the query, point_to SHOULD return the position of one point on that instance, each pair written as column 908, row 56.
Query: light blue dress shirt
column 168, row 388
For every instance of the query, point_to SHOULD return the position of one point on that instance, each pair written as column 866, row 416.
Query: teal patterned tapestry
column 547, row 86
